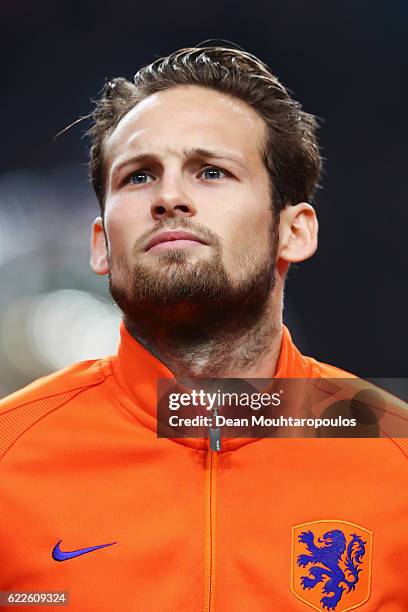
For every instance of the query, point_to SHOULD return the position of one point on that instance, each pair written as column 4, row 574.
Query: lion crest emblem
column 331, row 564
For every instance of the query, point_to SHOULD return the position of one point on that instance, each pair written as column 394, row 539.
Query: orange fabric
column 189, row 529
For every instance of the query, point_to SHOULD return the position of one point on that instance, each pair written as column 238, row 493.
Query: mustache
column 201, row 231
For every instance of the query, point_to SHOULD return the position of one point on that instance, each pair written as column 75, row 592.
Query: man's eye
column 213, row 173
column 139, row 178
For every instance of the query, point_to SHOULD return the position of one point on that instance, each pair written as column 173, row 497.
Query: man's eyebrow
column 198, row 152
column 191, row 153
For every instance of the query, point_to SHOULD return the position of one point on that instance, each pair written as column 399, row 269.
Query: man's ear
column 298, row 230
column 99, row 255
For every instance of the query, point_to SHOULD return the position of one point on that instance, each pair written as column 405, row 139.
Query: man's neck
column 231, row 353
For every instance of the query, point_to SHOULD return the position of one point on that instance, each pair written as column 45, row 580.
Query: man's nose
column 172, row 199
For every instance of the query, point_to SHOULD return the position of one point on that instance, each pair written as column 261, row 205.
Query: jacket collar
column 137, row 371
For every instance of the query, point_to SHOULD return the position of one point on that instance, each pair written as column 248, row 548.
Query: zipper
column 215, row 433
column 211, row 463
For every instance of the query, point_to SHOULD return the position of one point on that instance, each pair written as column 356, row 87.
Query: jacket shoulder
column 24, row 408
column 369, row 401
column 70, row 379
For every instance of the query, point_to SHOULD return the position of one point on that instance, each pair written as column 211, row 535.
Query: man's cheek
column 119, row 235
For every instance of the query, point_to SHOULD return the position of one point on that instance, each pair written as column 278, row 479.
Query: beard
column 192, row 301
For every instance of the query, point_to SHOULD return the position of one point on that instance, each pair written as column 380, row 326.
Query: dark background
column 345, row 62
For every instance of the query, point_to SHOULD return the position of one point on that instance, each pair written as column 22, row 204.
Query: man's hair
column 291, row 152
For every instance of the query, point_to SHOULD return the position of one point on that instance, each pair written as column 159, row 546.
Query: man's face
column 189, row 159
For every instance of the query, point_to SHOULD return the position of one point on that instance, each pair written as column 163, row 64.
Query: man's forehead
column 190, row 116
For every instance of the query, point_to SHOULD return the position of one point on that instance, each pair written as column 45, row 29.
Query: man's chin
column 191, row 301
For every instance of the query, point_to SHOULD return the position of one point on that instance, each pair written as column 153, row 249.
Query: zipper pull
column 215, row 435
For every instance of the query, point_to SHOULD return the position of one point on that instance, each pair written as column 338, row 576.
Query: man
column 204, row 169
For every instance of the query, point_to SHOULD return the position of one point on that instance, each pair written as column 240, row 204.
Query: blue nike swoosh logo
column 60, row 555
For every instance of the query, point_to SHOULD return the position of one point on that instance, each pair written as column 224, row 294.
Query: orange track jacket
column 94, row 504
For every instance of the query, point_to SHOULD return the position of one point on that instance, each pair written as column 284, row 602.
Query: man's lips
column 181, row 239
